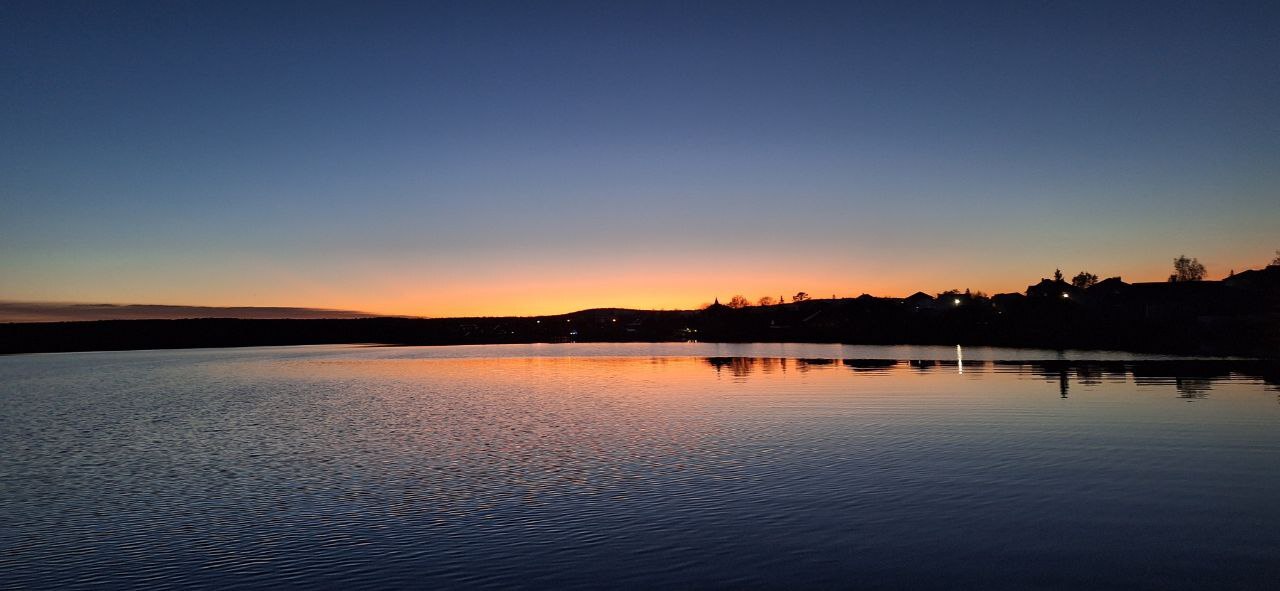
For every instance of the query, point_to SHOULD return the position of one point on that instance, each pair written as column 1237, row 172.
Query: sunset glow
column 376, row 287
column 582, row 294
column 452, row 160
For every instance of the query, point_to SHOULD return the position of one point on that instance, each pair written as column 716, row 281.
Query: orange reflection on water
column 603, row 425
column 683, row 379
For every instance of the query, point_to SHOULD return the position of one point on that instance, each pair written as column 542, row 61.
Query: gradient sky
column 492, row 158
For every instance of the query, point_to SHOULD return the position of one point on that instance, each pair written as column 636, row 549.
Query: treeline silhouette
column 1239, row 315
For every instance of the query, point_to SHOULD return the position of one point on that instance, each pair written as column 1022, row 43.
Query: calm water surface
column 685, row 465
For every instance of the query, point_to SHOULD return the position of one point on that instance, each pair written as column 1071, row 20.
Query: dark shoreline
column 1205, row 318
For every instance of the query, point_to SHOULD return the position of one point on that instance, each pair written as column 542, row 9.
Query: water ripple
column 635, row 466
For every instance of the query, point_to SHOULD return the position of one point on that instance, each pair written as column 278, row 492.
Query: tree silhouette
column 766, row 301
column 1057, row 274
column 1084, row 280
column 1276, row 261
column 800, row 297
column 1185, row 269
column 739, row 302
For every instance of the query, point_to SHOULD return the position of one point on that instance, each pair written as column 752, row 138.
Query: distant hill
column 1237, row 316
column 72, row 312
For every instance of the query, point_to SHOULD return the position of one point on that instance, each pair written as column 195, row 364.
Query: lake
column 638, row 465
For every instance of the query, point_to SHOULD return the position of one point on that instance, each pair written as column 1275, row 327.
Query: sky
column 486, row 158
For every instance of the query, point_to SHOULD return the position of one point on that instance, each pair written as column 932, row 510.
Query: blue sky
column 451, row 158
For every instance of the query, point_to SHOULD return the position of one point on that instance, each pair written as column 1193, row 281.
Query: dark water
column 691, row 465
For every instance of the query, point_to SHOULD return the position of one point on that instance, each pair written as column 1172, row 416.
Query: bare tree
column 767, row 301
column 1084, row 280
column 800, row 297
column 739, row 302
column 1185, row 269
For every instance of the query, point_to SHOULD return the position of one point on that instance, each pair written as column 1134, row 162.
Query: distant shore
column 1237, row 316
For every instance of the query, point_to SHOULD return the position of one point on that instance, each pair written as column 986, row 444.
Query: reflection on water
column 1190, row 379
column 636, row 465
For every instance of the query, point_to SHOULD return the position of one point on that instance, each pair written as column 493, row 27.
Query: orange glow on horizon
column 544, row 287
column 671, row 289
